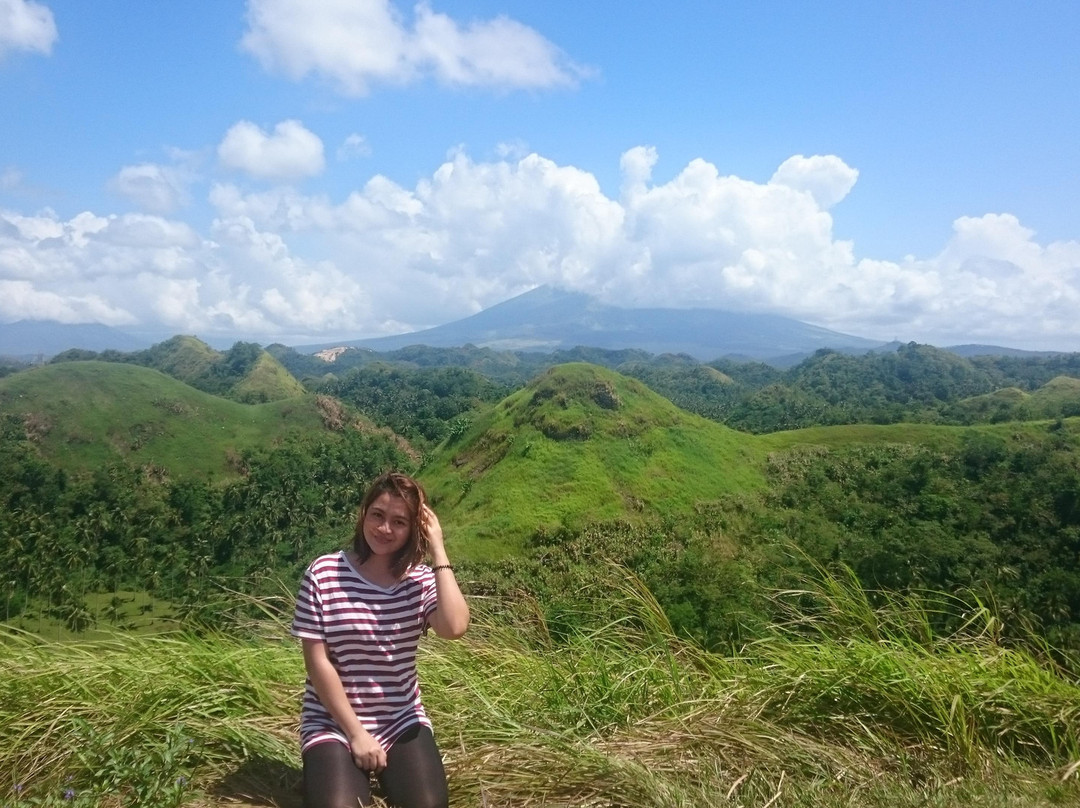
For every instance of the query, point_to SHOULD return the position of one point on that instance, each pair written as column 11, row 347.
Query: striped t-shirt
column 371, row 636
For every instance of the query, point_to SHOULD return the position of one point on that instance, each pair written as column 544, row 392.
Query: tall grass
column 880, row 677
column 844, row 704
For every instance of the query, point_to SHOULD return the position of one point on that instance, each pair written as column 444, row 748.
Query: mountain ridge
column 546, row 319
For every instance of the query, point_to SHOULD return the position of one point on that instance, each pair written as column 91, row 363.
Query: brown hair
column 412, row 494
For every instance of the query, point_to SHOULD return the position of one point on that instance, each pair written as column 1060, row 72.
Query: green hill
column 581, row 465
column 183, row 357
column 244, row 373
column 268, row 380
column 583, row 444
column 1059, row 397
column 87, row 414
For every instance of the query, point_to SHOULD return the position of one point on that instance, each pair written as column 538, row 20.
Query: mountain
column 969, row 351
column 33, row 339
column 548, row 319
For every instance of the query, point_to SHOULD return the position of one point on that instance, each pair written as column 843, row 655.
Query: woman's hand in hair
column 432, row 530
column 451, row 616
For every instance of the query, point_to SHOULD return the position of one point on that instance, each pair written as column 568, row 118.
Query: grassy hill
column 244, row 373
column 87, row 414
column 1057, row 398
column 583, row 444
column 580, row 444
column 268, row 380
column 1059, row 395
column 183, row 357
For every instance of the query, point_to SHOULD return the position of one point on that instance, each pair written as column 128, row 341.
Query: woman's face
column 387, row 524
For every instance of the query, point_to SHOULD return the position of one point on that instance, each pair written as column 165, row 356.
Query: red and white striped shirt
column 371, row 636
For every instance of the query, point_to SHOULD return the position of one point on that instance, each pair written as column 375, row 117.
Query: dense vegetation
column 122, row 527
column 579, row 457
column 423, row 405
column 914, row 383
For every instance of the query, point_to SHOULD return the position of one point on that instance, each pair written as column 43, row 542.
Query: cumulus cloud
column 827, row 178
column 153, row 187
column 291, row 152
column 389, row 258
column 20, row 299
column 26, row 26
column 158, row 272
column 357, row 43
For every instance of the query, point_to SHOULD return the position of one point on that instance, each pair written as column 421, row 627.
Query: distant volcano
column 548, row 319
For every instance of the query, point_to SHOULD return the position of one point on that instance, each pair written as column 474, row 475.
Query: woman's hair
column 412, row 494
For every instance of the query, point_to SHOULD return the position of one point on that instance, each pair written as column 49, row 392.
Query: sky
column 309, row 170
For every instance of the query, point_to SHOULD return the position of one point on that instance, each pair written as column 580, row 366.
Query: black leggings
column 413, row 777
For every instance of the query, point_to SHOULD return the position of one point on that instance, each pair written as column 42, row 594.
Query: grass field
column 842, row 705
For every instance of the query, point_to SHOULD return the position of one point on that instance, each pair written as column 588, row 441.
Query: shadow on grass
column 262, row 782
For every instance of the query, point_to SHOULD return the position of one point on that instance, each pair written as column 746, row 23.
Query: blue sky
column 303, row 170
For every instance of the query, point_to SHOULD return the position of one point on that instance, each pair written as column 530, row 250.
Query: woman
column 360, row 614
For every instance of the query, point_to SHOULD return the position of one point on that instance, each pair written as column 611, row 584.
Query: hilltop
column 583, row 444
column 1058, row 397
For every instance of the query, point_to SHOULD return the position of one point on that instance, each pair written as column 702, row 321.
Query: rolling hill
column 583, row 444
column 87, row 414
column 579, row 445
column 1059, row 397
column 245, row 372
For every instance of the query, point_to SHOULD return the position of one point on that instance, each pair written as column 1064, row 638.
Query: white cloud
column 355, row 43
column 636, row 165
column 155, row 188
column 290, row 153
column 827, row 178
column 19, row 300
column 511, row 149
column 388, row 258
column 354, row 145
column 26, row 26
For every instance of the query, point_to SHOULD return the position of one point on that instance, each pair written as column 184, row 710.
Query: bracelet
column 442, row 567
